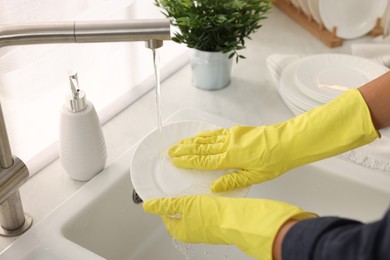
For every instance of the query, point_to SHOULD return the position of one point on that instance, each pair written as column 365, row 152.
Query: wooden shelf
column 329, row 38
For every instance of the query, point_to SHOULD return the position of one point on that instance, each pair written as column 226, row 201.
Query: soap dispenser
column 82, row 147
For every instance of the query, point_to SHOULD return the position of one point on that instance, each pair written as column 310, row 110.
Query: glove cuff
column 334, row 128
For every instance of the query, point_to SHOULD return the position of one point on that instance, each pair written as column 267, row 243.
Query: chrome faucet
column 13, row 172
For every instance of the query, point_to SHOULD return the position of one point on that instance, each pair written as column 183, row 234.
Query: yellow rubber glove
column 265, row 152
column 250, row 224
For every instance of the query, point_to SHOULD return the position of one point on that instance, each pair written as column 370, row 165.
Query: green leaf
column 215, row 25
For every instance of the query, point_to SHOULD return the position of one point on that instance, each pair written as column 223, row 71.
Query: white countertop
column 250, row 99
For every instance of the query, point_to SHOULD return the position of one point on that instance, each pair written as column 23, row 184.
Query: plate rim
column 375, row 68
column 287, row 83
column 349, row 33
column 242, row 192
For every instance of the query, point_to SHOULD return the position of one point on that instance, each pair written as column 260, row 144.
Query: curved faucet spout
column 83, row 32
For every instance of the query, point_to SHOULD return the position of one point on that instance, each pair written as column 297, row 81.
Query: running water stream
column 156, row 65
column 189, row 250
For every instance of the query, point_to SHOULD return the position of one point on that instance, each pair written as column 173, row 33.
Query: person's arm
column 262, row 153
column 337, row 239
column 376, row 94
column 277, row 247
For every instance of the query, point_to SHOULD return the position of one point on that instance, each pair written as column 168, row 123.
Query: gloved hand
column 265, row 152
column 250, row 224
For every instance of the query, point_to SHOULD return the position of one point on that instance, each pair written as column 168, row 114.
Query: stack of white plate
column 314, row 80
column 353, row 18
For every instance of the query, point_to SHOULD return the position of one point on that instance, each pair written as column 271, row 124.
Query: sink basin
column 114, row 227
column 44, row 253
column 101, row 221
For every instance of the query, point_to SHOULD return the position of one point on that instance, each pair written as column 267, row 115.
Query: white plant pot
column 210, row 70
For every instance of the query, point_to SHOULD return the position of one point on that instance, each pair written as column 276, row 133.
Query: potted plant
column 215, row 30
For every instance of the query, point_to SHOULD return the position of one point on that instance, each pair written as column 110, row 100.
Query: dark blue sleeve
column 338, row 239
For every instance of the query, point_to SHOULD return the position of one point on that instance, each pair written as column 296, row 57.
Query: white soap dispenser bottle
column 82, row 148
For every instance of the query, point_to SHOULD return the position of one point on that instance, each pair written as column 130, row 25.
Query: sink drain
column 137, row 199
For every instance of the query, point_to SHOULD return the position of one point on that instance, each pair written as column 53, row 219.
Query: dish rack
column 329, row 38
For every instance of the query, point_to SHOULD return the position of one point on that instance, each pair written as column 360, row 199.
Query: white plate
column 155, row 177
column 290, row 91
column 294, row 109
column 325, row 76
column 353, row 18
column 304, row 5
column 315, row 10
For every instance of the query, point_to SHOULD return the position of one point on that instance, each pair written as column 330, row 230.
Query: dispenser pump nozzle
column 76, row 101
